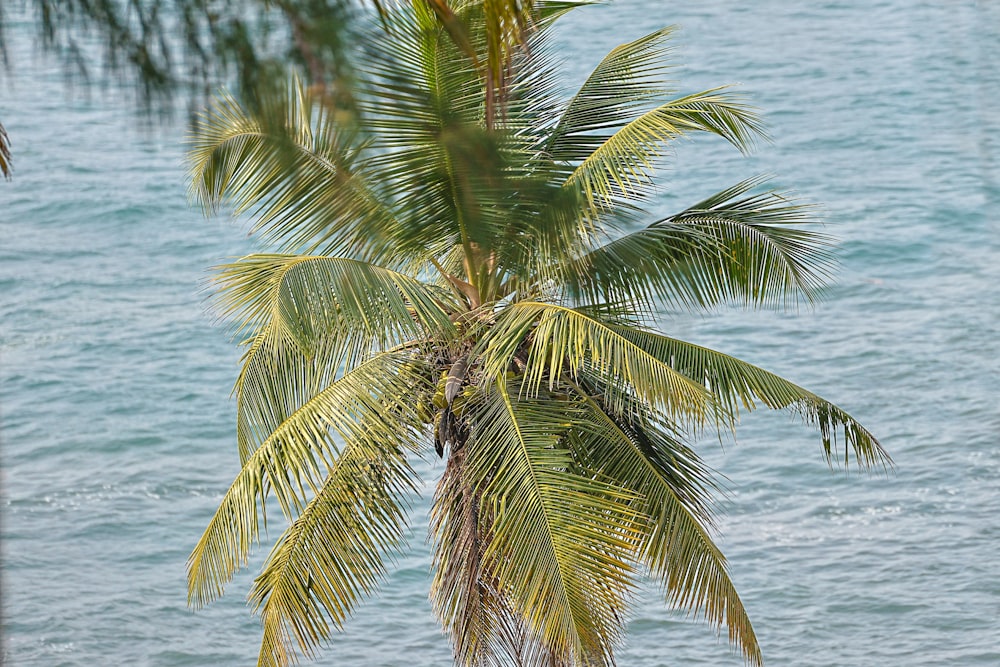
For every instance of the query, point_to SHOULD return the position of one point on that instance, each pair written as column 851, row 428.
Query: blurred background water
column 118, row 432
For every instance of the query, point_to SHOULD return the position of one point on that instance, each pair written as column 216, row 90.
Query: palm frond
column 736, row 246
column 467, row 185
column 494, row 34
column 334, row 553
column 277, row 378
column 549, row 340
column 625, row 81
column 735, row 384
column 674, row 490
column 621, row 165
column 298, row 169
column 548, row 12
column 541, row 226
column 310, row 318
column 314, row 296
column 507, row 24
column 561, row 543
column 371, row 404
column 424, row 105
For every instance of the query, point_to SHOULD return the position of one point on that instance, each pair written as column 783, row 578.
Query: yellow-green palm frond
column 334, row 553
column 277, row 378
column 735, row 246
column 621, row 167
column 622, row 86
column 371, row 404
column 561, row 543
column 735, row 384
column 548, row 340
column 310, row 297
column 309, row 319
column 674, row 489
column 617, row 126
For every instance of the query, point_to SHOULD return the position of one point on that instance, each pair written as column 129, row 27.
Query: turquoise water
column 118, row 435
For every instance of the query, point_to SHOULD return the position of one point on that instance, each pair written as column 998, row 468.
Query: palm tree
column 484, row 290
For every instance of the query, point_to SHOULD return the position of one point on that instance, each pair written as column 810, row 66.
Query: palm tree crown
column 463, row 284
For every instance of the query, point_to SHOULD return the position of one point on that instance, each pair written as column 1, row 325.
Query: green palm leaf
column 334, row 553
column 485, row 191
column 674, row 489
column 370, row 404
column 298, row 168
column 312, row 317
column 309, row 297
column 735, row 246
column 625, row 81
column 560, row 542
column 621, row 166
column 561, row 339
column 735, row 383
column 620, row 96
column 276, row 379
column 425, row 108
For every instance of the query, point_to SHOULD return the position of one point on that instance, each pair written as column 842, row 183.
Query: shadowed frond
column 426, row 110
column 674, row 488
column 368, row 405
column 483, row 191
column 297, row 167
column 735, row 246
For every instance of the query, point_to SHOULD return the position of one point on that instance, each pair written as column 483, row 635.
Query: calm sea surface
column 118, row 432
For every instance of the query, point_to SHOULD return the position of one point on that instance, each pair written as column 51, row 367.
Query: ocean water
column 117, row 432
